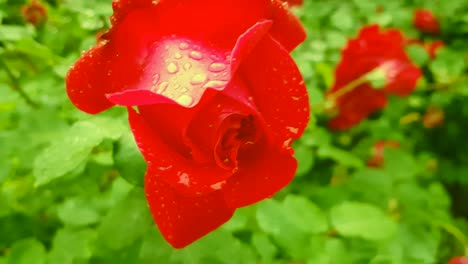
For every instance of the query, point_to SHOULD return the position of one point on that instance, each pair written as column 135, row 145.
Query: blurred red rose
column 372, row 56
column 425, row 21
column 459, row 260
column 34, row 13
column 377, row 158
column 214, row 102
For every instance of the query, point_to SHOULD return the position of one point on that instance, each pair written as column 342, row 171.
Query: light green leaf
column 77, row 212
column 305, row 215
column 27, row 251
column 354, row 219
column 69, row 246
column 264, row 247
column 126, row 222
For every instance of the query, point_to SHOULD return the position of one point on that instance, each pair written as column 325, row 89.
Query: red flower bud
column 426, row 22
column 34, row 13
column 434, row 117
column 377, row 158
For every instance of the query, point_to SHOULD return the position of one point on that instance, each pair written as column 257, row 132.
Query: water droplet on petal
column 184, row 178
column 155, row 79
column 177, row 55
column 183, row 46
column 196, row 55
column 198, row 79
column 293, row 130
column 185, row 100
column 187, row 66
column 217, row 67
column 162, row 87
column 172, row 68
column 215, row 84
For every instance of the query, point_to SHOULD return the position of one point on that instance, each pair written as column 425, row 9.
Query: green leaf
column 417, row 54
column 73, row 149
column 77, row 212
column 126, row 222
column 305, row 159
column 67, row 153
column 305, row 215
column 129, row 160
column 265, row 248
column 448, row 66
column 27, row 251
column 354, row 219
column 340, row 156
column 14, row 33
column 70, row 246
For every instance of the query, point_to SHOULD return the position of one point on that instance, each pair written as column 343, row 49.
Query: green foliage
column 71, row 184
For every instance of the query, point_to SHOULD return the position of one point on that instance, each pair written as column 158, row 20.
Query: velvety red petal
column 356, row 106
column 169, row 165
column 179, row 70
column 287, row 28
column 182, row 220
column 277, row 89
column 219, row 22
column 86, row 79
column 261, row 174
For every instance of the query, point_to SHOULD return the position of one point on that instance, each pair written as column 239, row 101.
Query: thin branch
column 16, row 87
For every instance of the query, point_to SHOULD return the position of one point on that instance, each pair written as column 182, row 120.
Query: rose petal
column 168, row 164
column 287, row 28
column 85, row 79
column 261, row 174
column 277, row 89
column 219, row 22
column 357, row 105
column 182, row 220
column 181, row 70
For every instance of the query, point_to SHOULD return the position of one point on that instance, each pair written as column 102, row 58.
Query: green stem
column 456, row 233
column 16, row 87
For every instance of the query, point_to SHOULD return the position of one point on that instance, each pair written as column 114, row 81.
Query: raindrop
column 196, row 55
column 198, row 79
column 215, row 84
column 183, row 46
column 155, row 79
column 172, row 68
column 185, row 100
column 187, row 66
column 162, row 87
column 217, row 67
column 293, row 130
column 177, row 55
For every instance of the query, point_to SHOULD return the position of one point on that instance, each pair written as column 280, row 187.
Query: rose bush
column 372, row 53
column 214, row 102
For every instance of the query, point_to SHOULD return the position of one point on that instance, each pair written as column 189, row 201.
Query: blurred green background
column 70, row 183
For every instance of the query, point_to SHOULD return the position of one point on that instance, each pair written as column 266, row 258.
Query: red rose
column 377, row 158
column 34, row 13
column 459, row 260
column 425, row 21
column 219, row 101
column 372, row 55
